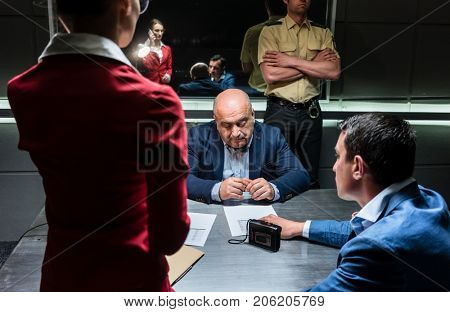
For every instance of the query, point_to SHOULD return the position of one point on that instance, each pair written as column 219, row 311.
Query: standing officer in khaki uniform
column 294, row 54
column 249, row 54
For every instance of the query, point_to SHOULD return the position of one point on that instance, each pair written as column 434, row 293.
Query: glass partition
column 197, row 30
column 387, row 62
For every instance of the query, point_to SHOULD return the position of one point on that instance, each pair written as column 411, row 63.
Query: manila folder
column 182, row 261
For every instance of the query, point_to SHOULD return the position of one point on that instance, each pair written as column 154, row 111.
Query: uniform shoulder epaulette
column 273, row 23
column 317, row 24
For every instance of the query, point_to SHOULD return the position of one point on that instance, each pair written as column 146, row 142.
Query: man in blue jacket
column 201, row 84
column 234, row 155
column 400, row 239
column 218, row 73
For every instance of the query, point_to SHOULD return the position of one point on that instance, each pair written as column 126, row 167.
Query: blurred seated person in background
column 235, row 154
column 400, row 239
column 158, row 61
column 201, row 84
column 217, row 71
column 275, row 9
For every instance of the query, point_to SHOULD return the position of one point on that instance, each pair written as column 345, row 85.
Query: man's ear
column 125, row 7
column 358, row 168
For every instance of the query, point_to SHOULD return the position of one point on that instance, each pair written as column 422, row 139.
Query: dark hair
column 386, row 143
column 276, row 7
column 218, row 57
column 199, row 71
column 155, row 21
column 82, row 7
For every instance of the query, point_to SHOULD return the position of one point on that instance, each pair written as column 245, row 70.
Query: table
column 224, row 267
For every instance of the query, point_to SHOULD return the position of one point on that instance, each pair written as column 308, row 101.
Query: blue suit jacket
column 407, row 249
column 201, row 87
column 228, row 81
column 269, row 158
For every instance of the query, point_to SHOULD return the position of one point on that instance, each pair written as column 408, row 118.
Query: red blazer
column 156, row 68
column 87, row 125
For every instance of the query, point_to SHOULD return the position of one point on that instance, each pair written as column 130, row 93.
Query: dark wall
column 24, row 34
column 393, row 49
column 21, row 191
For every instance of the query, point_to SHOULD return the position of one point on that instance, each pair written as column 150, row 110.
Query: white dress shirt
column 370, row 213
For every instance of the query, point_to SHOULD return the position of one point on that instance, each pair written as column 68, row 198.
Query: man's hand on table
column 289, row 228
column 232, row 188
column 260, row 189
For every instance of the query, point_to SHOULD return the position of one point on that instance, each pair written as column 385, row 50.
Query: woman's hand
column 166, row 78
column 151, row 38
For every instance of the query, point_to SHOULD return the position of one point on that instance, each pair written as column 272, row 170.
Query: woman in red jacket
column 158, row 61
column 112, row 215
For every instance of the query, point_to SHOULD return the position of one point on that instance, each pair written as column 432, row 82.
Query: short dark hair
column 386, row 143
column 276, row 7
column 199, row 71
column 218, row 57
column 82, row 7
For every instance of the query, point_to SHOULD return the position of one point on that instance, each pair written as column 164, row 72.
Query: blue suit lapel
column 216, row 152
column 256, row 154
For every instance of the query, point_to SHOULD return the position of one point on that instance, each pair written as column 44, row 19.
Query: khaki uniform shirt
column 305, row 42
column 249, row 53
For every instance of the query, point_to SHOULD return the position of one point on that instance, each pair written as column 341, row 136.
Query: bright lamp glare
column 143, row 51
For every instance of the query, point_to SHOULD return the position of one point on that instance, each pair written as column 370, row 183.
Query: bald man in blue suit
column 234, row 156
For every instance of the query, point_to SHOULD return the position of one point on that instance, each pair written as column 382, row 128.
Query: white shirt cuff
column 306, row 226
column 277, row 192
column 215, row 192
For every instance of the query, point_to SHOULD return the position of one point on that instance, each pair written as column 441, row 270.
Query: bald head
column 234, row 116
column 231, row 100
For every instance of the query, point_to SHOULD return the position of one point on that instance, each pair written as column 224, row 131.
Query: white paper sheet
column 201, row 225
column 237, row 216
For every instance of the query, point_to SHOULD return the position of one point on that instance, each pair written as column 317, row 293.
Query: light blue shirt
column 236, row 164
column 370, row 213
